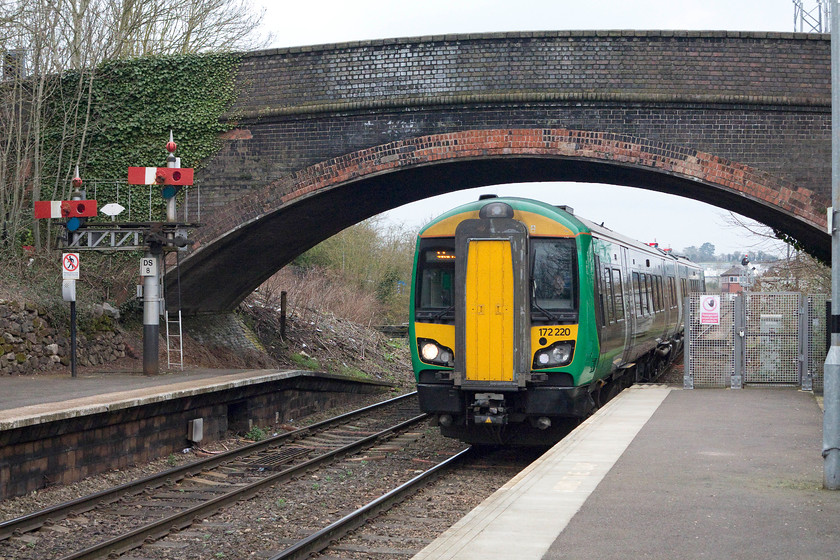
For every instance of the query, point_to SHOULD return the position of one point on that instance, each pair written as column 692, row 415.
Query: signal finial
column 77, row 179
column 171, row 146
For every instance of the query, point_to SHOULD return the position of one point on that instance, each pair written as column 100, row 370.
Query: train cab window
column 553, row 279
column 435, row 284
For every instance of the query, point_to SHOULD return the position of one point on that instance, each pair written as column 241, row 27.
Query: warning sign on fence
column 709, row 310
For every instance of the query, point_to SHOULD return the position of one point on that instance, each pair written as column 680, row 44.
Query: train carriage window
column 618, row 294
column 554, row 281
column 434, row 298
column 638, row 294
column 648, row 294
column 609, row 298
column 672, row 286
column 654, row 292
column 660, row 304
column 600, row 309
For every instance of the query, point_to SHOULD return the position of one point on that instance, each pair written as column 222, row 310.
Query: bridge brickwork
column 740, row 120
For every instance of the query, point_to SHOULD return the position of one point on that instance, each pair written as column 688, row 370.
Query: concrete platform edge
column 556, row 485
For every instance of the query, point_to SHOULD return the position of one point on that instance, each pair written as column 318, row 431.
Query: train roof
column 575, row 224
column 546, row 219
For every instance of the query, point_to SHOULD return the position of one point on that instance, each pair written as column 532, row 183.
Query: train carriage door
column 489, row 293
column 630, row 325
column 492, row 334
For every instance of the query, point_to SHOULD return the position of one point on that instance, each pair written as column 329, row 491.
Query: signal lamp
column 73, row 224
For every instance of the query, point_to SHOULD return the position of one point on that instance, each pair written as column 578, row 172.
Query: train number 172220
column 555, row 331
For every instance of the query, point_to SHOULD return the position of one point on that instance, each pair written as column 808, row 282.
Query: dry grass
column 315, row 291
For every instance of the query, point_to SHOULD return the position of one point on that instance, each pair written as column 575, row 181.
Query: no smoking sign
column 70, row 266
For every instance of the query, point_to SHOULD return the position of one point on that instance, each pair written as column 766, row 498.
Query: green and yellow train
column 525, row 318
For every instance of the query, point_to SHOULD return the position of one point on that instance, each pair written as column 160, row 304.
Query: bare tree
column 41, row 40
column 145, row 27
column 796, row 271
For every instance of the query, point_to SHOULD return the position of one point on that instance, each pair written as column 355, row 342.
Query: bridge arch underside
column 286, row 218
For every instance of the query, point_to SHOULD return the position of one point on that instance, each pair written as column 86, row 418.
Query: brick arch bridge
column 327, row 136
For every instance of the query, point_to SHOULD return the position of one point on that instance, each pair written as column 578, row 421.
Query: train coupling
column 489, row 408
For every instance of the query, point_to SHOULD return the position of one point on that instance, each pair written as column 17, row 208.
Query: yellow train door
column 489, row 326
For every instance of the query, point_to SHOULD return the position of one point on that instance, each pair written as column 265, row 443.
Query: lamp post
column 831, row 370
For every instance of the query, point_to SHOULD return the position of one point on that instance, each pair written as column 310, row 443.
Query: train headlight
column 558, row 354
column 430, row 351
column 433, row 353
column 496, row 210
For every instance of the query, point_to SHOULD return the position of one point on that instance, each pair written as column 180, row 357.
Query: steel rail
column 320, row 540
column 37, row 519
column 158, row 529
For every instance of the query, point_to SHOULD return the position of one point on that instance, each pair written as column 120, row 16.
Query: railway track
column 123, row 518
column 419, row 515
column 400, row 517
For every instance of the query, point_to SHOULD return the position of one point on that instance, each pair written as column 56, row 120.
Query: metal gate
column 761, row 339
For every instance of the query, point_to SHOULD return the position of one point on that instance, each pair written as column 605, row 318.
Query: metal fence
column 764, row 339
column 710, row 349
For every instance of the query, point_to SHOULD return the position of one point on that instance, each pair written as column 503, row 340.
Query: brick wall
column 68, row 449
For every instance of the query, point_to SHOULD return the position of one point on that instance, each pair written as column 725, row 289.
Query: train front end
column 502, row 333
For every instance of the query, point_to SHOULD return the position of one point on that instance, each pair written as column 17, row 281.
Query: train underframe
column 537, row 414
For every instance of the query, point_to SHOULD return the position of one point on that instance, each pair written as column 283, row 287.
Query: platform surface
column 664, row 473
column 26, row 400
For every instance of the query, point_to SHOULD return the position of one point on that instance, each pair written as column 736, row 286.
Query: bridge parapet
column 649, row 66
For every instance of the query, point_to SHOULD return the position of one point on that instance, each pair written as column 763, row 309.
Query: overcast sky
column 644, row 215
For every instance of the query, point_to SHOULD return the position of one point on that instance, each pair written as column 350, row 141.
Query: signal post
column 153, row 238
column 170, row 179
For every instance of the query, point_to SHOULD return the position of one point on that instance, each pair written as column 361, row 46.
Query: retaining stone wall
column 226, row 330
column 29, row 344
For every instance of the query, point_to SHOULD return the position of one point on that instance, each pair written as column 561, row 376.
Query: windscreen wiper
column 442, row 314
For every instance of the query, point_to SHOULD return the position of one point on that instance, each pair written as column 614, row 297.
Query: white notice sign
column 148, row 266
column 70, row 266
column 709, row 310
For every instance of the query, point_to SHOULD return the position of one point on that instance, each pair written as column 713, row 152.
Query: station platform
column 664, row 473
column 27, row 400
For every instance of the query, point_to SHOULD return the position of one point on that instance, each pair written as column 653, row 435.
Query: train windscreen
column 554, row 282
column 435, row 298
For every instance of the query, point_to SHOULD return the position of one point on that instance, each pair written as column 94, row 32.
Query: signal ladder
column 174, row 341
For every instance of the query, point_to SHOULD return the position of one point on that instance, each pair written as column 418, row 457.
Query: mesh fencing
column 817, row 338
column 763, row 339
column 771, row 342
column 711, row 348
